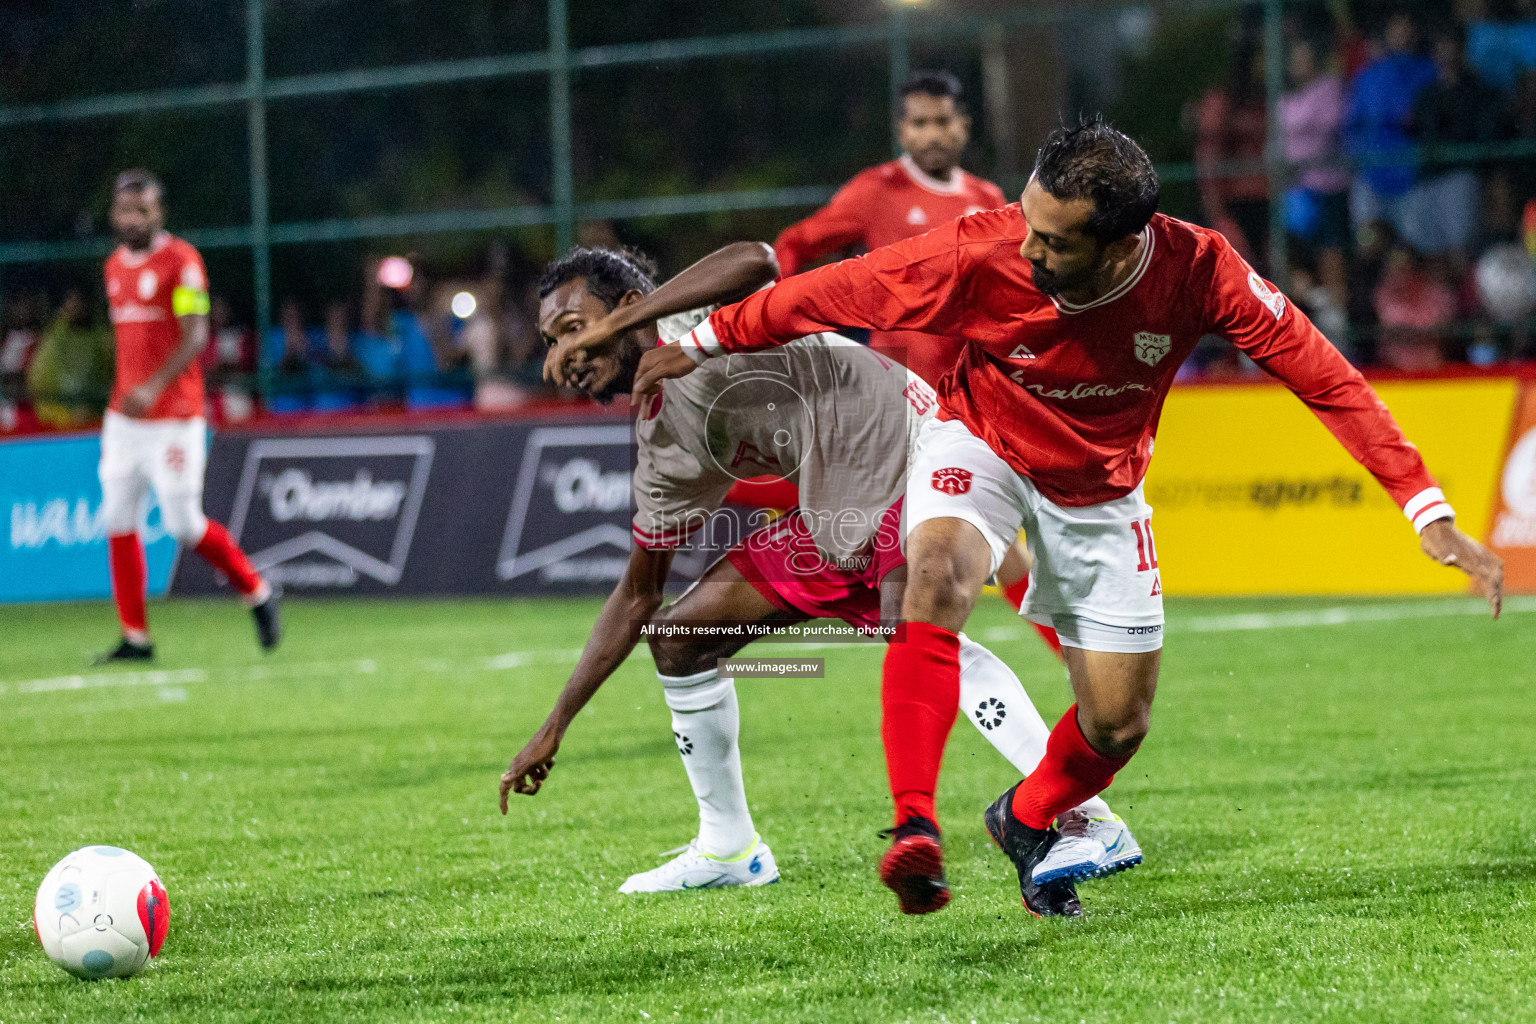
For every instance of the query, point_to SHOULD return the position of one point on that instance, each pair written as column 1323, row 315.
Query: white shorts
column 171, row 456
column 1095, row 576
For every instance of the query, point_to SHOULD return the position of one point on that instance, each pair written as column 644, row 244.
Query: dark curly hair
column 939, row 84
column 609, row 273
column 1094, row 161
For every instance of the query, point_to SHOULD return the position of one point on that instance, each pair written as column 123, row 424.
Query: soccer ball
column 101, row 913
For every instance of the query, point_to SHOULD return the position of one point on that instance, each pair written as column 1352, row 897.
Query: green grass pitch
column 1338, row 823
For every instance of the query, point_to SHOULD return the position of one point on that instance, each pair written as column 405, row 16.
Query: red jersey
column 1070, row 395
column 139, row 293
column 882, row 205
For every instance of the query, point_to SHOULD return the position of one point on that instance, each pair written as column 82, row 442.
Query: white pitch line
column 155, row 678
column 1345, row 614
column 1341, row 615
column 1336, row 616
column 261, row 673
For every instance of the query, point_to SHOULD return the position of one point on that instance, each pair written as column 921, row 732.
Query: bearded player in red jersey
column 1078, row 305
column 923, row 188
column 154, row 433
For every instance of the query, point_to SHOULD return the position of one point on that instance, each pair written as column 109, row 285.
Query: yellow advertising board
column 1252, row 495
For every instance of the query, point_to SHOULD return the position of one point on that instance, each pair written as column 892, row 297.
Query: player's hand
column 138, row 402
column 564, row 361
column 1449, row 546
column 531, row 766
column 662, row 363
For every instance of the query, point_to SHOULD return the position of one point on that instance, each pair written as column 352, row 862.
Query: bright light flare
column 396, row 272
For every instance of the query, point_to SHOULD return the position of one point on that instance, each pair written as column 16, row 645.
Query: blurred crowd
column 1408, row 249
column 407, row 342
column 1408, row 211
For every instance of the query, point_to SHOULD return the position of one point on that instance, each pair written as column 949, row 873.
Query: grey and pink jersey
column 824, row 412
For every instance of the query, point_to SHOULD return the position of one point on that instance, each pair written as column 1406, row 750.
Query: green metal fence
column 903, row 26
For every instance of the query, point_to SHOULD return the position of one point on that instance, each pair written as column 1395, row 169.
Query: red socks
column 1014, row 592
column 125, row 560
column 920, row 696
column 1014, row 595
column 219, row 549
column 1070, row 773
column 1049, row 636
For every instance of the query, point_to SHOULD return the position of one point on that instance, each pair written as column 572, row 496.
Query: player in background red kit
column 916, row 192
column 154, row 433
column 1078, row 306
column 923, row 188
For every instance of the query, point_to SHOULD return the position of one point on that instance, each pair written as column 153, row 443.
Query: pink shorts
column 783, row 563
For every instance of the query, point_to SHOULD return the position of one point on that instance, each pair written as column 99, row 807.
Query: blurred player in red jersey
column 916, row 192
column 154, row 433
column 923, row 188
column 1078, row 306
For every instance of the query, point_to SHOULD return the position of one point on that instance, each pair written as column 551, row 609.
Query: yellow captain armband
column 189, row 301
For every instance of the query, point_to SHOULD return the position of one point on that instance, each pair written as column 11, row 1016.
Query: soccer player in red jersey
column 1078, row 305
column 916, row 192
column 154, row 433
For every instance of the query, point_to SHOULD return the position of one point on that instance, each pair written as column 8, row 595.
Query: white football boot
column 694, row 869
column 1088, row 848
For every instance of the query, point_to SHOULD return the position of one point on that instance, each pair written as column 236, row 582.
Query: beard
column 935, row 160
column 1049, row 282
column 628, row 357
column 134, row 238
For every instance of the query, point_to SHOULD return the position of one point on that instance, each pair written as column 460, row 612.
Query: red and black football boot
column 913, row 868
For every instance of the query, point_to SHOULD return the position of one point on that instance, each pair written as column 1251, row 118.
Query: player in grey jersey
column 831, row 416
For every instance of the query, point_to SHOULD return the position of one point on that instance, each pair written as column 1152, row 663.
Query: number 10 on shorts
column 1146, row 548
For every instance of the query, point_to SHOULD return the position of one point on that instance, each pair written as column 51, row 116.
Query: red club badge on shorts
column 952, row 480
column 176, row 458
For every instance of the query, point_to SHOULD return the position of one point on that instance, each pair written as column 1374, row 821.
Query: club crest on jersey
column 952, row 480
column 1273, row 300
column 148, row 282
column 1150, row 348
column 916, row 216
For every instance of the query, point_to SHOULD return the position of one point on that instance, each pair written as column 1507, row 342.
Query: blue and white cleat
column 1088, row 848
column 694, row 869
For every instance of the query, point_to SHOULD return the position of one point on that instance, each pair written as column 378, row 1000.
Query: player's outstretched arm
column 1258, row 319
column 1449, row 546
column 614, row 635
column 837, row 225
column 724, row 276
column 918, row 284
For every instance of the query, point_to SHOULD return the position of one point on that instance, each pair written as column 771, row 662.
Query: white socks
column 994, row 700
column 705, row 722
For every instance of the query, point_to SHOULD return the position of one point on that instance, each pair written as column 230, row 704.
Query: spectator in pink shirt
column 1311, row 118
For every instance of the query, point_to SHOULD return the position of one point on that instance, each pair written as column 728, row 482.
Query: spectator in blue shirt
column 1501, row 50
column 1379, row 123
